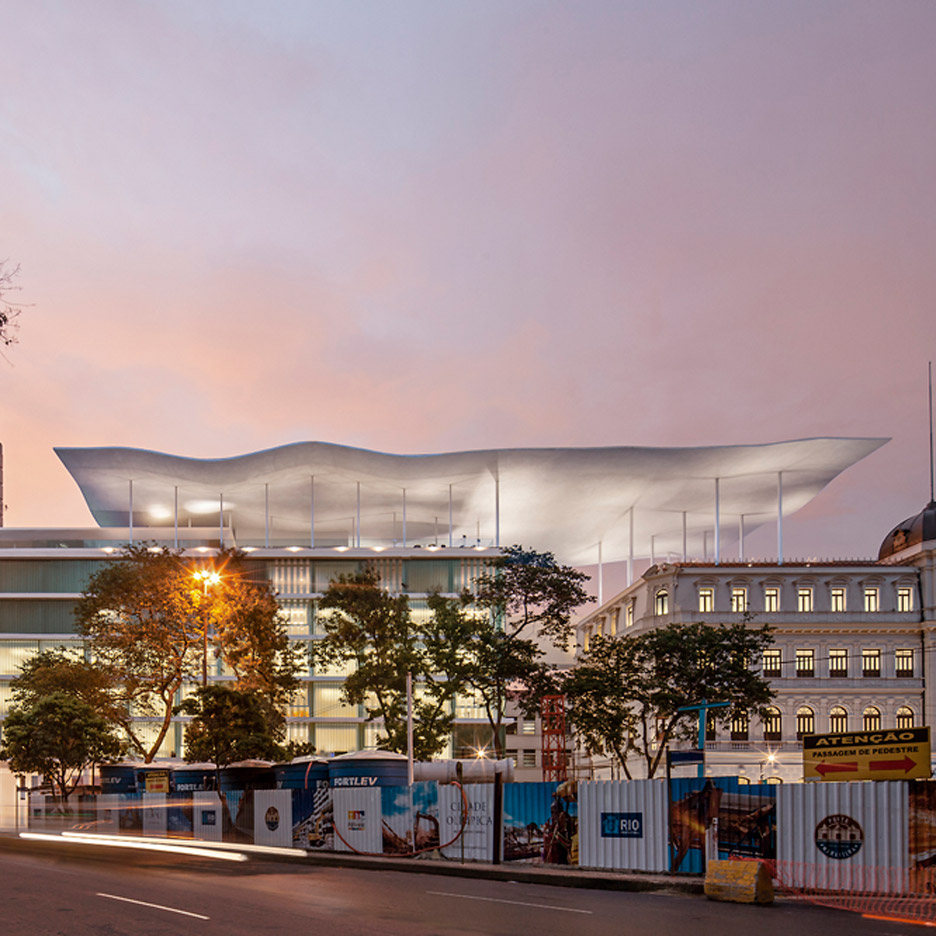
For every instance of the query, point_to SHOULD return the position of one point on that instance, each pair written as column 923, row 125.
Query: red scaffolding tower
column 554, row 758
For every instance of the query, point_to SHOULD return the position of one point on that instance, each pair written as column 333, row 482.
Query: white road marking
column 143, row 903
column 518, row 903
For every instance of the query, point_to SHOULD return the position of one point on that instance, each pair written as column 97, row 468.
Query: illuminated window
column 838, row 663
column 871, row 720
column 903, row 663
column 771, row 599
column 837, row 598
column 739, row 599
column 805, row 722
column 838, row 720
column 528, row 759
column 629, row 614
column 904, row 717
column 772, row 724
column 706, row 600
column 739, row 727
column 662, row 602
column 804, row 599
column 711, row 726
column 904, row 598
column 870, row 662
column 772, row 663
column 805, row 662
column 528, row 726
column 615, row 618
column 872, row 599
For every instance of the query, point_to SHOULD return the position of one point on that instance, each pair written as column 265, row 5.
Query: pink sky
column 422, row 227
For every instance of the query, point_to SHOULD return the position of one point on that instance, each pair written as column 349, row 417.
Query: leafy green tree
column 143, row 620
column 58, row 736
column 150, row 626
column 228, row 725
column 372, row 632
column 67, row 671
column 524, row 595
column 249, row 632
column 625, row 693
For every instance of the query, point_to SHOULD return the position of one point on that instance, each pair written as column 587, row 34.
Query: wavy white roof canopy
column 566, row 500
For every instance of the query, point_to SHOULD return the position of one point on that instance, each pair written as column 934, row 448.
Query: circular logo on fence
column 271, row 818
column 839, row 836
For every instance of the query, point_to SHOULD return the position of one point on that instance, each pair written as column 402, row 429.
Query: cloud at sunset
column 418, row 227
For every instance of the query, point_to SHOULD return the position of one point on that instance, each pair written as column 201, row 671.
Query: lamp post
column 207, row 577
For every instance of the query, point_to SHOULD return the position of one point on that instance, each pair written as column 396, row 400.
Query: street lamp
column 207, row 577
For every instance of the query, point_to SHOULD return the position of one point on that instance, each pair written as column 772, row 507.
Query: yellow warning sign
column 900, row 754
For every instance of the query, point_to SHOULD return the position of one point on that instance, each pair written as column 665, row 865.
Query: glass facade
column 37, row 597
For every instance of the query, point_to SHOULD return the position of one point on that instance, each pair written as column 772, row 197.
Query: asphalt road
column 144, row 895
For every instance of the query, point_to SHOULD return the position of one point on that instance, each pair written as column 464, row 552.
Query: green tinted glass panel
column 45, row 575
column 25, row 616
column 424, row 575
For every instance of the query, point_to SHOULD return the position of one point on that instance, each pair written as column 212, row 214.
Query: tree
column 58, row 736
column 9, row 311
column 142, row 618
column 149, row 625
column 65, row 671
column 228, row 725
column 625, row 694
column 249, row 633
column 373, row 633
column 525, row 594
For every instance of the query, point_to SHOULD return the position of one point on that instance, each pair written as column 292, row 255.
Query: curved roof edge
column 563, row 499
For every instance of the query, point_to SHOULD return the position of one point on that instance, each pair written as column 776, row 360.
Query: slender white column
column 221, row 519
column 741, row 538
column 684, row 536
column 175, row 523
column 653, row 549
column 409, row 729
column 357, row 525
column 404, row 517
column 717, row 526
column 130, row 524
column 497, row 510
column 312, row 511
column 779, row 518
column 266, row 515
column 450, row 515
column 630, row 547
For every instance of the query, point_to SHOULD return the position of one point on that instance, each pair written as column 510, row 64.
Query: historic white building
column 853, row 641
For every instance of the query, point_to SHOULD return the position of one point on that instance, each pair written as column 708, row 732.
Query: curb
column 524, row 874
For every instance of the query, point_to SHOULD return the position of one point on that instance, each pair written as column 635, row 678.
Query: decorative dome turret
column 912, row 531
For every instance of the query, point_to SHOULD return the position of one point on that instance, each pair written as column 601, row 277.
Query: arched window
column 739, row 727
column 805, row 722
column 662, row 602
column 838, row 720
column 904, row 717
column 871, row 720
column 772, row 724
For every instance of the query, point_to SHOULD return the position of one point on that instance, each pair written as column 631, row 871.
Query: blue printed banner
column 622, row 825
